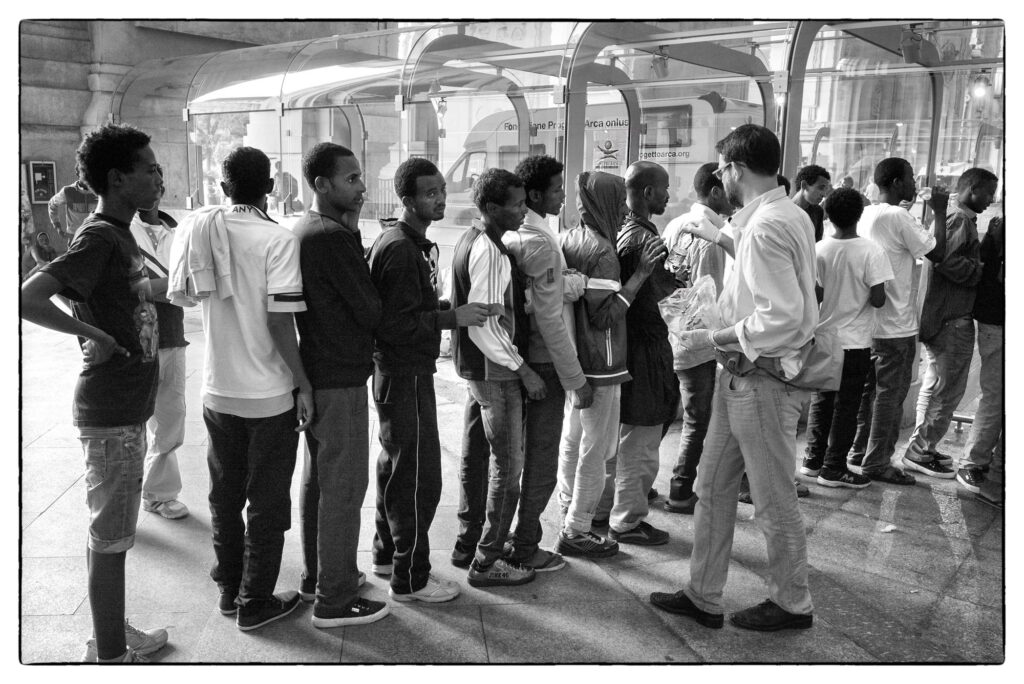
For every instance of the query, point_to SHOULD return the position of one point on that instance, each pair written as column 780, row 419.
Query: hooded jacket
column 600, row 313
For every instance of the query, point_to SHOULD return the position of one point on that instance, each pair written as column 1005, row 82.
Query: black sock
column 106, row 598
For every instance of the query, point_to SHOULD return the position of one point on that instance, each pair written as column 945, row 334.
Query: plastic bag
column 692, row 308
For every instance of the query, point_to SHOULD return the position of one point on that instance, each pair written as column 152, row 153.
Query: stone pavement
column 898, row 574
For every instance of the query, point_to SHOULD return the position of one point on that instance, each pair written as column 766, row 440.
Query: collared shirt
column 950, row 286
column 769, row 295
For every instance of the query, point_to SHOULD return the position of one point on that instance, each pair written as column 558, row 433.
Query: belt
column 739, row 365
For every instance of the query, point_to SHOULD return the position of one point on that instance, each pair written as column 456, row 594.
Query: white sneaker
column 434, row 591
column 172, row 510
column 141, row 642
column 382, row 569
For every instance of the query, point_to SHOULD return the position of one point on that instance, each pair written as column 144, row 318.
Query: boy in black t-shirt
column 102, row 273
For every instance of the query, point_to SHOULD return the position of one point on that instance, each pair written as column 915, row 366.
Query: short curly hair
column 109, row 147
column 407, row 173
column 890, row 170
column 246, row 171
column 320, row 160
column 493, row 185
column 537, row 171
column 975, row 177
column 811, row 173
column 843, row 207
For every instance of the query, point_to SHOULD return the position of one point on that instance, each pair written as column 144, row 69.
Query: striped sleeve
column 284, row 275
column 490, row 275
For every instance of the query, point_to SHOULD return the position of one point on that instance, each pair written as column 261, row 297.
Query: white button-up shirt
column 769, row 295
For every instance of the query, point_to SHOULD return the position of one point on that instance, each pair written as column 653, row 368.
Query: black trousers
column 250, row 460
column 408, row 476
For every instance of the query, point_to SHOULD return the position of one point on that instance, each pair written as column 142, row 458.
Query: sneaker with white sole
column 811, row 465
column 971, row 478
column 931, row 468
column 172, row 509
column 585, row 545
column 382, row 569
column 359, row 611
column 129, row 657
column 259, row 612
column 544, row 561
column 307, row 588
column 830, row 478
column 141, row 641
column 500, row 573
column 434, row 591
column 944, row 459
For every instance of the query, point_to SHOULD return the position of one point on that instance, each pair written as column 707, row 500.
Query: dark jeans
column 408, row 476
column 697, row 386
column 832, row 419
column 893, row 361
column 334, row 482
column 473, row 467
column 250, row 460
column 540, row 469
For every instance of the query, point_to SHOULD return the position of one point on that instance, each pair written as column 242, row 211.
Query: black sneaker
column 259, row 612
column 811, row 465
column 890, row 475
column 462, row 558
column 686, row 505
column 971, row 479
column 641, row 535
column 931, row 468
column 587, row 545
column 944, row 459
column 768, row 617
column 226, row 604
column 829, row 478
column 652, row 494
column 359, row 611
column 680, row 604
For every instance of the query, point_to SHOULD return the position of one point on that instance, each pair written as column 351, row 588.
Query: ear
column 269, row 187
column 321, row 185
column 114, row 178
column 534, row 196
column 408, row 202
column 225, row 188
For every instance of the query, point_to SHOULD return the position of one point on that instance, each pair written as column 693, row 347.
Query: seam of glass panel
column 288, row 70
column 703, row 35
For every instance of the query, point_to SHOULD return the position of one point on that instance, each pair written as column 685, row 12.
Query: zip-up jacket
column 601, row 311
column 403, row 266
column 483, row 271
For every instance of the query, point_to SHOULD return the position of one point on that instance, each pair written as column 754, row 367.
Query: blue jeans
column 501, row 412
column 753, row 428
column 697, row 386
column 334, row 482
column 947, row 360
column 832, row 419
column 540, row 468
column 251, row 460
column 408, row 476
column 987, row 429
column 893, row 361
column 113, row 475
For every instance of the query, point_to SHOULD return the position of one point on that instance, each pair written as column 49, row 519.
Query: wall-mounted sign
column 43, row 178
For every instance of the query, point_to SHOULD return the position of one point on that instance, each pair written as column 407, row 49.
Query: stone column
column 103, row 80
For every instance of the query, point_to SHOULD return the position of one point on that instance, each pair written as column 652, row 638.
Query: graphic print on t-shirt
column 144, row 314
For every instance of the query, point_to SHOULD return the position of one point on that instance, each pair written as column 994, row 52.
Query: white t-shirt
column 847, row 270
column 242, row 362
column 904, row 241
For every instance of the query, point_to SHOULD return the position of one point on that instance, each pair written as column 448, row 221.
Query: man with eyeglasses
column 770, row 311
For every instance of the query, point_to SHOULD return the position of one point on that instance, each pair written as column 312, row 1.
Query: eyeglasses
column 718, row 172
